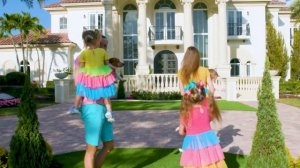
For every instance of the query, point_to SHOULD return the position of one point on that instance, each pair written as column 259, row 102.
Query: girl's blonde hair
column 190, row 64
column 196, row 96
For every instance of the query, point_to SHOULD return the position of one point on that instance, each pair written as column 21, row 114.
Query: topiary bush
column 121, row 90
column 268, row 146
column 3, row 157
column 28, row 148
column 15, row 78
column 2, row 80
column 147, row 95
column 297, row 163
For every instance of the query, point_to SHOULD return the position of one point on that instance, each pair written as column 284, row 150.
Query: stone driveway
column 153, row 128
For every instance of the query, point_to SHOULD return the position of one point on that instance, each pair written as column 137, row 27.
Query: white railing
column 232, row 88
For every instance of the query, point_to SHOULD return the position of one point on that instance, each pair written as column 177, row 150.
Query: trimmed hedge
column 15, row 78
column 146, row 95
column 290, row 87
column 2, row 80
column 3, row 157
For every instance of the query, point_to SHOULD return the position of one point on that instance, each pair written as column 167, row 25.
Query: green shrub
column 290, row 158
column 3, row 157
column 146, row 95
column 15, row 78
column 297, row 163
column 268, row 147
column 15, row 91
column 121, row 90
column 290, row 87
column 28, row 148
column 2, row 80
column 50, row 84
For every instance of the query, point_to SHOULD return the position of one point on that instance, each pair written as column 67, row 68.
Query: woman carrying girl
column 200, row 146
column 94, row 86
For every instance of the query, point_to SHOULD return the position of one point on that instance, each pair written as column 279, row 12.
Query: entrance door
column 165, row 62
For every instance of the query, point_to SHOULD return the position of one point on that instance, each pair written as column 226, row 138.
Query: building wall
column 54, row 57
column 55, row 21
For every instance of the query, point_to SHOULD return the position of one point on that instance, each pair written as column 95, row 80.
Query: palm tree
column 8, row 24
column 27, row 25
column 296, row 10
column 29, row 3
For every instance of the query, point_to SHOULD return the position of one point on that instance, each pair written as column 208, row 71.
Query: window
column 165, row 62
column 95, row 22
column 63, row 22
column 22, row 66
column 248, row 65
column 201, row 32
column 130, row 41
column 235, row 23
column 235, row 67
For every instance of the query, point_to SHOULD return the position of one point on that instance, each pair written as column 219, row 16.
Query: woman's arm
column 181, row 89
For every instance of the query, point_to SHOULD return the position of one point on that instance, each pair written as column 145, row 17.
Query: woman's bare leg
column 107, row 148
column 89, row 158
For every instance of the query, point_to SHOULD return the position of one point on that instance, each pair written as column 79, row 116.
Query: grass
column 141, row 157
column 290, row 101
column 174, row 105
column 6, row 111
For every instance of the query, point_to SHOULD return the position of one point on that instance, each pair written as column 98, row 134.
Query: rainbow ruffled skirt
column 95, row 82
column 202, row 150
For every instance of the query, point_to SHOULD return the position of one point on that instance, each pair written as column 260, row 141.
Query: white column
column 188, row 23
column 223, row 67
column 142, row 67
column 108, row 25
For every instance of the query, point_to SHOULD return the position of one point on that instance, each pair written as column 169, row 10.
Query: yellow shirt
column 94, row 57
column 201, row 75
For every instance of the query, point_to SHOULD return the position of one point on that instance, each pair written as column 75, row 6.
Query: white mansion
column 151, row 36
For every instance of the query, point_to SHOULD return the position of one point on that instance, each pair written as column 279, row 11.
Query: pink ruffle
column 95, row 81
column 202, row 157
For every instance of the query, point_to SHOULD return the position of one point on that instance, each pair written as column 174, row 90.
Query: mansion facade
column 151, row 36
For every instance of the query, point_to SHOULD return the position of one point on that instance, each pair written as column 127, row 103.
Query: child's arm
column 181, row 130
column 210, row 85
column 181, row 89
column 107, row 104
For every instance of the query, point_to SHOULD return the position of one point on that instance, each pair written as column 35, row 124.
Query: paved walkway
column 153, row 129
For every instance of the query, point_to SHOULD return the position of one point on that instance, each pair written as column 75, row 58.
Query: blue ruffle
column 200, row 141
column 96, row 93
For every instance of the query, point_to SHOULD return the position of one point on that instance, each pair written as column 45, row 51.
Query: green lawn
column 141, row 157
column 290, row 101
column 174, row 105
column 5, row 111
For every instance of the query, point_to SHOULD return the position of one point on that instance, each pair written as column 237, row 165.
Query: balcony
column 238, row 31
column 93, row 28
column 163, row 35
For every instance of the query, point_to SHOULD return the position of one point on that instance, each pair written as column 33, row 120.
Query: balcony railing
column 165, row 34
column 238, row 31
column 92, row 28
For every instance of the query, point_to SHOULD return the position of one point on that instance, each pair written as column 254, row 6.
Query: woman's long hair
column 190, row 64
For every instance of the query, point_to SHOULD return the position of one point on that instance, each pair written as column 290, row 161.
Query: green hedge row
column 145, row 95
column 13, row 78
column 289, row 87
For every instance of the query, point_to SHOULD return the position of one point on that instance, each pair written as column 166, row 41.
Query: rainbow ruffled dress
column 95, row 80
column 201, row 146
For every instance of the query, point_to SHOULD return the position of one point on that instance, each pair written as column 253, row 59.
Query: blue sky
column 13, row 6
column 16, row 6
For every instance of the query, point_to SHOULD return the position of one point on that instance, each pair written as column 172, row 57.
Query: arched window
column 130, row 49
column 24, row 64
column 235, row 67
column 63, row 22
column 164, row 4
column 201, row 31
column 165, row 62
column 248, row 66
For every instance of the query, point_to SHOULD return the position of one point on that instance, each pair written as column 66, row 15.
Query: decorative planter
column 61, row 75
column 273, row 72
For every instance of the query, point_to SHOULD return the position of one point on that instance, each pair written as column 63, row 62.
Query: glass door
column 159, row 25
column 171, row 25
column 164, row 25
